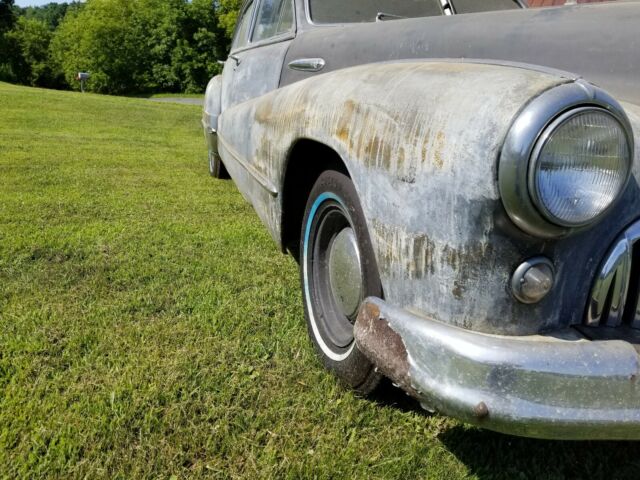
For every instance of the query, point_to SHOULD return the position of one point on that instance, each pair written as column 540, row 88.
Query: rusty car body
column 461, row 190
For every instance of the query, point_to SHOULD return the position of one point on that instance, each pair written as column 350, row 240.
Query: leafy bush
column 128, row 46
column 31, row 65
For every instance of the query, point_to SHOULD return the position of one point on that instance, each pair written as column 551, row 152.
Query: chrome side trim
column 612, row 284
column 307, row 64
column 447, row 7
column 529, row 125
column 535, row 386
column 250, row 169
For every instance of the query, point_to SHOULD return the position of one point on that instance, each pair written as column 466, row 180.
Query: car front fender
column 421, row 141
column 212, row 103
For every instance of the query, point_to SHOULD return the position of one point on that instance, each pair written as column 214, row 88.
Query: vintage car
column 459, row 183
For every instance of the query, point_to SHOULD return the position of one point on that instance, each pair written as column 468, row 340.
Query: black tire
column 333, row 214
column 216, row 167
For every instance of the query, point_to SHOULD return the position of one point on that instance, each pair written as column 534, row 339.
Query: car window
column 275, row 17
column 341, row 11
column 470, row 6
column 557, row 3
column 241, row 37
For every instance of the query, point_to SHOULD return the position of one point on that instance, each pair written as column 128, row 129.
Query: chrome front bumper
column 537, row 386
column 210, row 134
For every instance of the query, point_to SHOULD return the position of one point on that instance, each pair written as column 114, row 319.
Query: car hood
column 599, row 42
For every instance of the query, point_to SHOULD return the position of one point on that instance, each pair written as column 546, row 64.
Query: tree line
column 128, row 46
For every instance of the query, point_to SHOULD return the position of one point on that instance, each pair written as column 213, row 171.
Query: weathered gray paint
column 600, row 42
column 258, row 72
column 422, row 156
column 421, row 141
column 212, row 103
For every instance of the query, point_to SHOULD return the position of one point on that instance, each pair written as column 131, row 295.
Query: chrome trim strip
column 612, row 283
column 307, row 64
column 613, row 278
column 250, row 169
column 447, row 7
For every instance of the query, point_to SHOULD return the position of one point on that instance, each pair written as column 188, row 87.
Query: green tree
column 128, row 46
column 228, row 11
column 51, row 13
column 7, row 20
column 202, row 42
column 31, row 64
column 124, row 44
column 7, row 16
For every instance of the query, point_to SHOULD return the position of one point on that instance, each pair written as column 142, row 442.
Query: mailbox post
column 82, row 77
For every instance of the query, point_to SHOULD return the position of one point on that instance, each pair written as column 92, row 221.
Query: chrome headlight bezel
column 528, row 133
column 538, row 151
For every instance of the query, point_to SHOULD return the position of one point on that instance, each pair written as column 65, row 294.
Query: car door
column 338, row 34
column 263, row 35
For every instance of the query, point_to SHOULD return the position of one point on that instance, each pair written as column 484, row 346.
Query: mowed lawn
column 150, row 328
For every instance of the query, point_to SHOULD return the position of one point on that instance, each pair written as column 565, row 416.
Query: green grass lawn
column 149, row 327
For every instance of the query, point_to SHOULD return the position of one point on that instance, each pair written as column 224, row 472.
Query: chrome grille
column 615, row 293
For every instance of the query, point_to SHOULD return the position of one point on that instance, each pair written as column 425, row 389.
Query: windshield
column 353, row 11
column 558, row 3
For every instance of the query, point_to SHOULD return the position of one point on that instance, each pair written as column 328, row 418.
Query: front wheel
column 338, row 270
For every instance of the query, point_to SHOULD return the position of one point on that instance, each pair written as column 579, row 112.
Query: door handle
column 235, row 59
column 307, row 64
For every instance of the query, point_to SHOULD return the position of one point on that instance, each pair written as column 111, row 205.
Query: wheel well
column 307, row 160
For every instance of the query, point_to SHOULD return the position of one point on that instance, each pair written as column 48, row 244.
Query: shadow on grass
column 490, row 455
column 387, row 395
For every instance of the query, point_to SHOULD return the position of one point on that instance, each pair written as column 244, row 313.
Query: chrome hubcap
column 345, row 273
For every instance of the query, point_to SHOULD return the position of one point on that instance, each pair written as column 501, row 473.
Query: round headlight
column 579, row 166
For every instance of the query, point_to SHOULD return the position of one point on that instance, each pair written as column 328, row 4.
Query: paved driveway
column 183, row 100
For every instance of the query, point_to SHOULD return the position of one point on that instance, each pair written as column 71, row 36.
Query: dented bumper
column 562, row 387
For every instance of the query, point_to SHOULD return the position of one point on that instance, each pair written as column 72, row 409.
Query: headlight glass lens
column 581, row 167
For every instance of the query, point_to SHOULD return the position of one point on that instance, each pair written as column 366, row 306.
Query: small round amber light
column 533, row 280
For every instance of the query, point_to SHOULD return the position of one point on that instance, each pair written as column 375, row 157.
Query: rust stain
column 385, row 156
column 370, row 310
column 414, row 253
column 383, row 346
column 458, row 290
column 346, row 120
column 425, row 147
column 262, row 154
column 401, row 158
column 438, row 159
column 371, row 149
column 458, row 258
column 343, row 133
column 263, row 112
